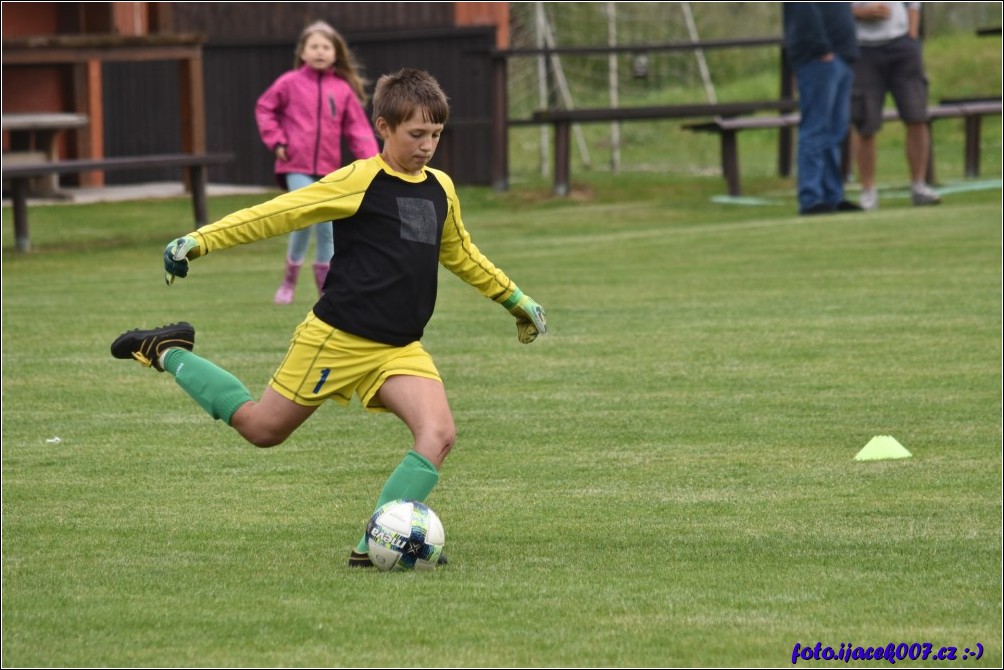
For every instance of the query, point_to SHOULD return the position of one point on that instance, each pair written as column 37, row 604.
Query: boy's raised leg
column 169, row 349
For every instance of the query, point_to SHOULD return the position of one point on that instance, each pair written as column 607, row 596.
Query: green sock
column 413, row 479
column 215, row 389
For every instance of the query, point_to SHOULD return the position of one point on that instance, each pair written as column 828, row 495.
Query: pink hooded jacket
column 310, row 112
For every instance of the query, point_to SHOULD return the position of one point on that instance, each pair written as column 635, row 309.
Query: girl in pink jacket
column 302, row 118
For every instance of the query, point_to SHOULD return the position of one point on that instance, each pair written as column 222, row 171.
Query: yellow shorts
column 324, row 362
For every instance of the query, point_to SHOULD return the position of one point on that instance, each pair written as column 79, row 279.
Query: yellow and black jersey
column 391, row 233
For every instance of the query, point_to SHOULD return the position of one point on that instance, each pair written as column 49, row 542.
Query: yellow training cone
column 882, row 447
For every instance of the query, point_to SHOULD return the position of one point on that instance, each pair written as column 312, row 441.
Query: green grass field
column 666, row 479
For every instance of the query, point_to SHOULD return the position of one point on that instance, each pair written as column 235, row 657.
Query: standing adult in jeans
column 821, row 44
column 891, row 62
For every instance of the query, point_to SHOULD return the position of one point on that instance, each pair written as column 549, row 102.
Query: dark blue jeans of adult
column 824, row 91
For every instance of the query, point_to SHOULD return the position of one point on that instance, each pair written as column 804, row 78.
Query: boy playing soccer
column 395, row 221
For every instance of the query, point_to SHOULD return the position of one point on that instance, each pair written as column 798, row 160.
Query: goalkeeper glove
column 177, row 255
column 530, row 319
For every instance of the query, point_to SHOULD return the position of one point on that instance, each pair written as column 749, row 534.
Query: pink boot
column 320, row 274
column 284, row 295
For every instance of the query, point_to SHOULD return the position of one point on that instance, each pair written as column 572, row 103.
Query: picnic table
column 33, row 139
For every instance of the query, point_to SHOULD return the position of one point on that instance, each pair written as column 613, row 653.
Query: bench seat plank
column 194, row 165
column 71, row 166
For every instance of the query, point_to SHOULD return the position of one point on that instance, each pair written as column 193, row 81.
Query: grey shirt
column 875, row 33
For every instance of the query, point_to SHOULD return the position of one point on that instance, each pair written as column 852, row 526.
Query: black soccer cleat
column 358, row 560
column 146, row 346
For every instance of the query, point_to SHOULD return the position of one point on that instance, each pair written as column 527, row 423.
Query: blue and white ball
column 405, row 535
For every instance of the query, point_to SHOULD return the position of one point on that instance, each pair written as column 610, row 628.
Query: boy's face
column 409, row 147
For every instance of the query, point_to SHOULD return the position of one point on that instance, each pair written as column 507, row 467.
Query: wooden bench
column 728, row 129
column 194, row 165
column 562, row 120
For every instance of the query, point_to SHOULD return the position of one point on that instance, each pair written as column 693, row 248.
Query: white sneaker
column 869, row 199
column 923, row 194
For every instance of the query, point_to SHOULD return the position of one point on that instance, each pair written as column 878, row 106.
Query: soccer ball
column 405, row 535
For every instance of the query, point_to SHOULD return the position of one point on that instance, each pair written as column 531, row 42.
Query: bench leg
column 785, row 149
column 19, row 200
column 197, row 182
column 562, row 158
column 730, row 162
column 973, row 130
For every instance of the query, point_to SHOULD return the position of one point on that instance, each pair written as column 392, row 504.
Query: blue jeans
column 299, row 240
column 824, row 92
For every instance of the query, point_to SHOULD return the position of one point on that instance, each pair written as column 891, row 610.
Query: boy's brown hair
column 398, row 95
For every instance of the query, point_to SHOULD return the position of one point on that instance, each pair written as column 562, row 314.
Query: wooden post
column 784, row 137
column 730, row 161
column 87, row 99
column 191, row 96
column 196, row 175
column 500, row 124
column 562, row 159
column 19, row 196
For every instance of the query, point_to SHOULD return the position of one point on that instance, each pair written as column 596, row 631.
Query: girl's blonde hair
column 346, row 65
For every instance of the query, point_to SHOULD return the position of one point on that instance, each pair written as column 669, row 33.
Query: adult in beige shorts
column 891, row 62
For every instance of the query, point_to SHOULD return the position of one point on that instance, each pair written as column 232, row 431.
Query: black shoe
column 846, row 206
column 818, row 208
column 357, row 560
column 146, row 346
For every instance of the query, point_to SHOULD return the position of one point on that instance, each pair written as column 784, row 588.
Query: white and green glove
column 530, row 319
column 176, row 257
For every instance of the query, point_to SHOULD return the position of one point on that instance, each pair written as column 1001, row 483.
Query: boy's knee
column 446, row 435
column 438, row 441
column 260, row 436
column 265, row 441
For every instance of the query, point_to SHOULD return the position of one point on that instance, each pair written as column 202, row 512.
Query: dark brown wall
column 220, row 21
column 247, row 46
column 141, row 106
